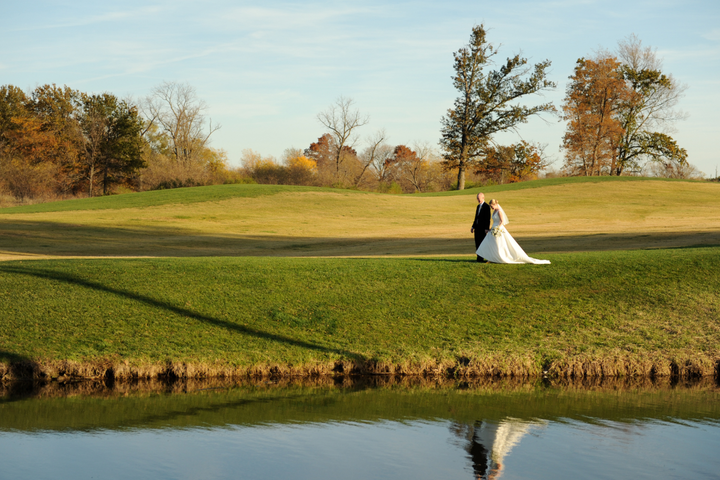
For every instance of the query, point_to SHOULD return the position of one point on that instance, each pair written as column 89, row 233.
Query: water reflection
column 488, row 443
column 361, row 428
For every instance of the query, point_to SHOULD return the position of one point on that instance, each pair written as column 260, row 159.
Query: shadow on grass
column 20, row 367
column 13, row 358
column 20, row 237
column 185, row 312
column 446, row 260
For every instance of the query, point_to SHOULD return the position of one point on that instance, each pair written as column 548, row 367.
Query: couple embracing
column 494, row 243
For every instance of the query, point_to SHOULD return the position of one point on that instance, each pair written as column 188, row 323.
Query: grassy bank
column 645, row 312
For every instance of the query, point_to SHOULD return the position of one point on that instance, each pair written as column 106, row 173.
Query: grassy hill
column 611, row 303
column 553, row 215
column 610, row 313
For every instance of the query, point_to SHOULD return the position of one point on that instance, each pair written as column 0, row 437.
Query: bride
column 499, row 246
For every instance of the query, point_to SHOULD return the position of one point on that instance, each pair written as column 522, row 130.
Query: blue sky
column 267, row 68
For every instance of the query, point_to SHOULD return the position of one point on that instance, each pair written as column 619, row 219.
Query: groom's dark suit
column 481, row 223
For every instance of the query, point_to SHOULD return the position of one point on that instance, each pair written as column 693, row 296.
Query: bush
column 27, row 182
column 165, row 173
column 392, row 187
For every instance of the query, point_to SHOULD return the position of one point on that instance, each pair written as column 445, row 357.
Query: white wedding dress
column 503, row 248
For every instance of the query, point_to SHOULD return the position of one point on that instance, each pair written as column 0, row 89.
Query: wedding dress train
column 501, row 247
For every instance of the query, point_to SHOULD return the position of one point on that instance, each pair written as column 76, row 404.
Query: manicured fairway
column 624, row 310
column 557, row 215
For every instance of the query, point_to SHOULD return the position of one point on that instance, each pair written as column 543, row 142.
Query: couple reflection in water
column 488, row 443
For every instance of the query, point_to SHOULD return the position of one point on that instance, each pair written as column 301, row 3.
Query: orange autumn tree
column 37, row 140
column 513, row 163
column 24, row 147
column 59, row 141
column 594, row 96
column 400, row 165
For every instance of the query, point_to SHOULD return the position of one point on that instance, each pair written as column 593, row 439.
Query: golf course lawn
column 261, row 280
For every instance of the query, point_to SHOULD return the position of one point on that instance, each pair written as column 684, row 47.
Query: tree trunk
column 105, row 180
column 461, row 177
column 91, row 178
column 359, row 177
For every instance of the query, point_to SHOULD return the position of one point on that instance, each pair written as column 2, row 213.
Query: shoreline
column 615, row 366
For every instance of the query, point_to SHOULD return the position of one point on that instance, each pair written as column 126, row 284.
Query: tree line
column 65, row 141
column 56, row 142
column 620, row 108
column 340, row 158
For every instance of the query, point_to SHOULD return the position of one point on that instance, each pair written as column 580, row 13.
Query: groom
column 481, row 225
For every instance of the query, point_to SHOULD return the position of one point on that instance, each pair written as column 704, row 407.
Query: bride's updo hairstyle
column 493, row 202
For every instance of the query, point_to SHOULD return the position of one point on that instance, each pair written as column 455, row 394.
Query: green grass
column 549, row 182
column 177, row 196
column 249, row 311
column 557, row 215
column 217, row 193
column 214, row 304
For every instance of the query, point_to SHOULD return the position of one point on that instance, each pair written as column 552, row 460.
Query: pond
column 379, row 428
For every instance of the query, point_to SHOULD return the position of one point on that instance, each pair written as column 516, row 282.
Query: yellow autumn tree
column 301, row 169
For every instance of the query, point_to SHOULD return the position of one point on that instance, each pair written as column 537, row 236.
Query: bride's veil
column 503, row 217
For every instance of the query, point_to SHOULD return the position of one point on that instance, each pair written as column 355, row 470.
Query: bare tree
column 669, row 168
column 342, row 120
column 178, row 111
column 647, row 117
column 411, row 168
column 372, row 155
column 382, row 163
column 94, row 128
column 418, row 171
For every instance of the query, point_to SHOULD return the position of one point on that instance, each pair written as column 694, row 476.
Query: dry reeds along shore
column 575, row 369
column 262, row 281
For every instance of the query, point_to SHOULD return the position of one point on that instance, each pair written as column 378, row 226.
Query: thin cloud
column 713, row 36
column 272, row 65
column 307, row 17
column 682, row 55
column 91, row 20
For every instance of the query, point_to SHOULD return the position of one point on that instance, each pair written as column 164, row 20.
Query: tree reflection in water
column 488, row 443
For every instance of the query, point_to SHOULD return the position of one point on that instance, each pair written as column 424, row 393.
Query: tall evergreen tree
column 487, row 102
column 113, row 142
